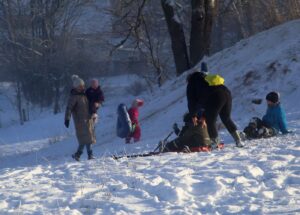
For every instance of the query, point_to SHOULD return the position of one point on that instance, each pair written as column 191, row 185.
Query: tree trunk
column 57, row 97
column 201, row 28
column 176, row 32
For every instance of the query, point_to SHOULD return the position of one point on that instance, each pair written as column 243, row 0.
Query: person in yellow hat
column 208, row 93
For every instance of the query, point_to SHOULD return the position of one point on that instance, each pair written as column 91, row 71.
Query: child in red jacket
column 134, row 117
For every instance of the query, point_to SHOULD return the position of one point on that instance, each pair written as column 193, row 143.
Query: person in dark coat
column 95, row 96
column 192, row 138
column 214, row 100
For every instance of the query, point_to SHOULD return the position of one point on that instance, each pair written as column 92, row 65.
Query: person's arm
column 282, row 122
column 70, row 106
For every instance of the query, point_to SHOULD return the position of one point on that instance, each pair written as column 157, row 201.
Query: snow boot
column 236, row 136
column 76, row 156
column 91, row 156
column 214, row 143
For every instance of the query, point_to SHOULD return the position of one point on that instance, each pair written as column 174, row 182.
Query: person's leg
column 89, row 151
column 127, row 139
column 137, row 133
column 225, row 115
column 77, row 155
column 212, row 109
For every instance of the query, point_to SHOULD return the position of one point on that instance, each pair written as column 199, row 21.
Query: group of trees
column 40, row 47
column 194, row 28
column 37, row 49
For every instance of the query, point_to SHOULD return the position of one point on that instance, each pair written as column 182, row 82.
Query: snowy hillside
column 38, row 176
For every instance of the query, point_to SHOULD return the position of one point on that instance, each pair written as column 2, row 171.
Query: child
column 192, row 138
column 95, row 96
column 134, row 117
column 275, row 116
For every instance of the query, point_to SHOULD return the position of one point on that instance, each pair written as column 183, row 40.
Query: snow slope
column 37, row 175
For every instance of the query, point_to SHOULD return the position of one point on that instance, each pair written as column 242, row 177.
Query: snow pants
column 219, row 104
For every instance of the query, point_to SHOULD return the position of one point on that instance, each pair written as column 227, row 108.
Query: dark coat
column 94, row 96
column 78, row 107
column 197, row 92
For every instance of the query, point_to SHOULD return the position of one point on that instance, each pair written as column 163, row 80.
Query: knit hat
column 204, row 67
column 273, row 97
column 137, row 103
column 77, row 81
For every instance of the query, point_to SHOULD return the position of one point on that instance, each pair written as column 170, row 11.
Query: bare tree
column 37, row 38
column 177, row 36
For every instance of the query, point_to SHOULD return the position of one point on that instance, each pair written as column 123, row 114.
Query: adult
column 214, row 98
column 78, row 107
column 193, row 137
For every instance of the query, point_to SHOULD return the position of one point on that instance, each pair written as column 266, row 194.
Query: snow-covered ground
column 38, row 176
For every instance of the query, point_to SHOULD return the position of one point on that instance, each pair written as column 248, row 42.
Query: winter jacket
column 192, row 136
column 134, row 115
column 197, row 92
column 94, row 96
column 78, row 107
column 275, row 118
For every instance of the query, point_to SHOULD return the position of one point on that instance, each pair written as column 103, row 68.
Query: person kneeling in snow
column 272, row 123
column 134, row 117
column 78, row 107
column 192, row 138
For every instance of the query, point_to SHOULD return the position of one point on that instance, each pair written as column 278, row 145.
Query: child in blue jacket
column 275, row 116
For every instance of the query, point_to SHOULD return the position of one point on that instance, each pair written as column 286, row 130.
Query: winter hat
column 204, row 67
column 137, row 103
column 273, row 97
column 77, row 81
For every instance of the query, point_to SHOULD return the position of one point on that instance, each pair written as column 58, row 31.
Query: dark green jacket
column 191, row 136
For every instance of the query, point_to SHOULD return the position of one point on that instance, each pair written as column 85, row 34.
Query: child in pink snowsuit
column 134, row 117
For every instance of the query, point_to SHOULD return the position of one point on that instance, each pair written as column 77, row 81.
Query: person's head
column 78, row 83
column 137, row 103
column 94, row 83
column 272, row 98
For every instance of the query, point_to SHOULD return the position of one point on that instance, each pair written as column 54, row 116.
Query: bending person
column 209, row 94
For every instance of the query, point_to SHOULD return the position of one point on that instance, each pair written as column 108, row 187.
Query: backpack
column 124, row 124
column 214, row 80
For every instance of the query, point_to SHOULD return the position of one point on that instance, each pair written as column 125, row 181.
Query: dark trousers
column 88, row 149
column 219, row 103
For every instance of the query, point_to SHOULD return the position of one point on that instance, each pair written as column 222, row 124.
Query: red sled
column 206, row 148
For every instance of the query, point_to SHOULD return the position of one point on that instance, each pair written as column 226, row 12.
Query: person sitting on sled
column 134, row 117
column 275, row 116
column 273, row 122
column 192, row 138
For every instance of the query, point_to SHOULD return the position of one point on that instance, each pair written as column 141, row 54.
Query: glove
column 67, row 123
